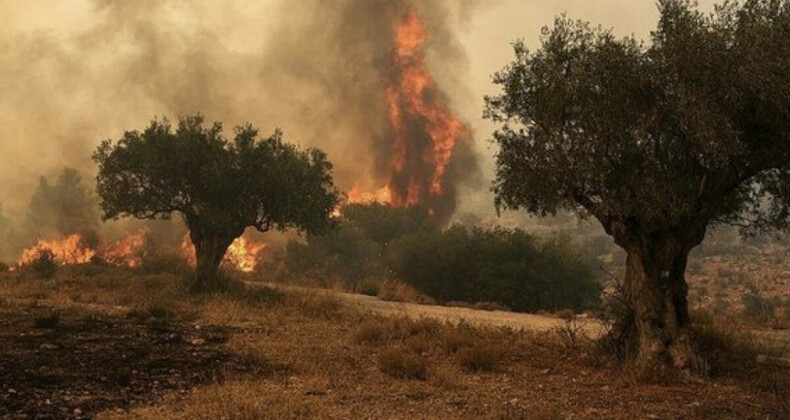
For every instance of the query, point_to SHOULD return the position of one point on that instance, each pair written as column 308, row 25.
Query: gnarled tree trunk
column 209, row 251
column 656, row 329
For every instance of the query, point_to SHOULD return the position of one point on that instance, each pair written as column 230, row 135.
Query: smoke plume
column 73, row 75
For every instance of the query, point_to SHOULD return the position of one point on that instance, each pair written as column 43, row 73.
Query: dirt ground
column 778, row 341
column 126, row 346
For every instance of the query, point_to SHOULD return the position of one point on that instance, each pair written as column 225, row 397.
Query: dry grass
column 325, row 360
column 401, row 363
column 479, row 358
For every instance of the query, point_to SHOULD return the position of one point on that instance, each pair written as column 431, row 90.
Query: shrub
column 479, row 358
column 759, row 309
column 566, row 314
column 370, row 332
column 4, row 268
column 727, row 348
column 369, row 289
column 571, row 334
column 457, row 339
column 506, row 267
column 400, row 364
column 490, row 306
column 45, row 264
column 358, row 248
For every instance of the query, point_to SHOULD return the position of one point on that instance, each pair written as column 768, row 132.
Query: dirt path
column 777, row 341
column 519, row 321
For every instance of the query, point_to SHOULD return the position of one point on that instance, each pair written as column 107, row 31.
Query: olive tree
column 220, row 187
column 658, row 141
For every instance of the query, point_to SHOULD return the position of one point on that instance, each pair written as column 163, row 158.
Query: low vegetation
column 493, row 268
column 283, row 353
column 501, row 266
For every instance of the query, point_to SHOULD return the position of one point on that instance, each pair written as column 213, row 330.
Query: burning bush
column 44, row 263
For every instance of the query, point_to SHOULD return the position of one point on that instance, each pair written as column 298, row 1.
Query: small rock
column 77, row 413
column 546, row 371
column 605, row 388
column 48, row 347
column 514, row 401
column 198, row 342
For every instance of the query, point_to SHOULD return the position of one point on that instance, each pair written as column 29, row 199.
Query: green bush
column 369, row 289
column 496, row 268
column 507, row 267
column 357, row 249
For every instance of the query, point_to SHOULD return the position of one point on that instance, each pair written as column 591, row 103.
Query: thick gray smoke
column 73, row 75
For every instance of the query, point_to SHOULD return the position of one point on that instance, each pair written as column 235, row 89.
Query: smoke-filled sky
column 73, row 73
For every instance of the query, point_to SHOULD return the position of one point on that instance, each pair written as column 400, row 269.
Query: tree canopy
column 657, row 141
column 64, row 207
column 220, row 187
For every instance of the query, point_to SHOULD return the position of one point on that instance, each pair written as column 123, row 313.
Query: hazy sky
column 74, row 72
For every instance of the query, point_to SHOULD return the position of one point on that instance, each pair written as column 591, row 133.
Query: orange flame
column 242, row 254
column 417, row 174
column 123, row 252
column 73, row 250
column 382, row 196
column 70, row 250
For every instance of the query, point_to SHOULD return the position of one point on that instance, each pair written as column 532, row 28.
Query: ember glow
column 243, row 254
column 69, row 250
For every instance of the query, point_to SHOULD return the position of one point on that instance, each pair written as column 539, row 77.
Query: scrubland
column 118, row 344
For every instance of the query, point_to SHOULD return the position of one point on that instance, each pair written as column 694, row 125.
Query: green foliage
column 358, row 248
column 370, row 289
column 344, row 255
column 503, row 266
column 383, row 223
column 688, row 130
column 657, row 141
column 63, row 208
column 219, row 186
column 504, row 269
